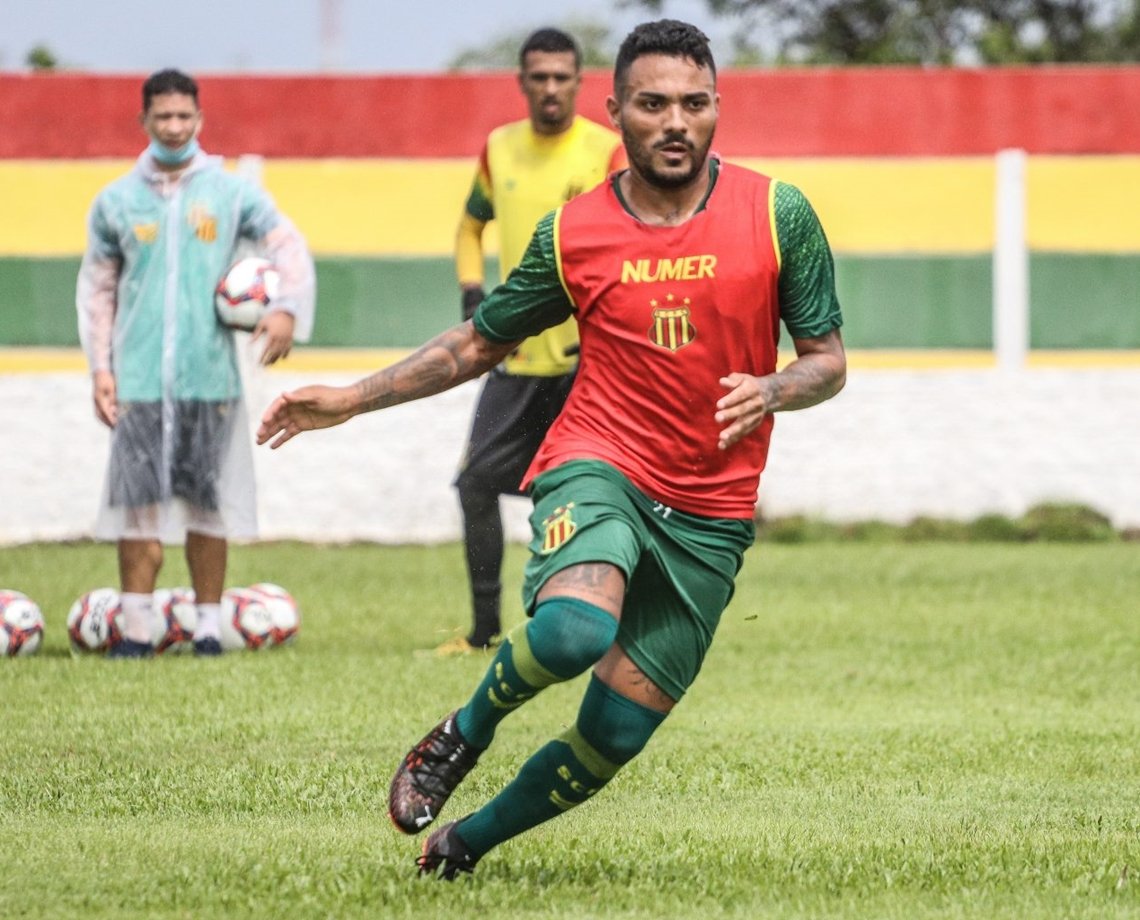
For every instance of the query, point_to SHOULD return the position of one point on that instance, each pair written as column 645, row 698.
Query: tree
column 928, row 31
column 502, row 52
column 41, row 58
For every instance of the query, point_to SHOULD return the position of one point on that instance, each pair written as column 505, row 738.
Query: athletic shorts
column 680, row 568
column 147, row 469
column 511, row 419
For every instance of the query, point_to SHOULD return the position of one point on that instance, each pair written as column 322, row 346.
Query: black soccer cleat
column 207, row 647
column 428, row 775
column 445, row 854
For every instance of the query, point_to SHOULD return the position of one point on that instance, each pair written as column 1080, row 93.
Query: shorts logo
column 672, row 324
column 558, row 527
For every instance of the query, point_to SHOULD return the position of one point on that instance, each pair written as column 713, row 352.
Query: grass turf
column 881, row 730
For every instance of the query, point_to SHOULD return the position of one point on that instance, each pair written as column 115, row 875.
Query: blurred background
column 975, row 165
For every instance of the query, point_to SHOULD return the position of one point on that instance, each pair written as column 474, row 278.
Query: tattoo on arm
column 451, row 358
column 818, row 373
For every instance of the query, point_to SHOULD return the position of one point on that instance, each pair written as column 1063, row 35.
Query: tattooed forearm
column 818, row 373
column 451, row 358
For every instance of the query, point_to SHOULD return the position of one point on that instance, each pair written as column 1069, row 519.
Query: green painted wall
column 1079, row 301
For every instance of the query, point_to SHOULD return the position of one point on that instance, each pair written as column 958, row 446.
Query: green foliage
column 41, row 57
column 501, row 52
column 898, row 731
column 928, row 32
column 1047, row 522
column 1067, row 522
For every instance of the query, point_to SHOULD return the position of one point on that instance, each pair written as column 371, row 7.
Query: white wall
column 893, row 445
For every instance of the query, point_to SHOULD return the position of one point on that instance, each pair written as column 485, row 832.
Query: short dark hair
column 162, row 82
column 552, row 40
column 665, row 36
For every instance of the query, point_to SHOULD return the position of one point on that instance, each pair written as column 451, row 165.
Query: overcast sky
column 379, row 36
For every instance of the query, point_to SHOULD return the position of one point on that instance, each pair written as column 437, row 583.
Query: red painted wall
column 828, row 112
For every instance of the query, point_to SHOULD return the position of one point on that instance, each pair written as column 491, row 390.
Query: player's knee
column 567, row 635
column 616, row 727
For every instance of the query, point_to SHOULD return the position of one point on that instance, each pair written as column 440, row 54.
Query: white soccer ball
column 175, row 619
column 245, row 291
column 21, row 624
column 246, row 621
column 283, row 610
column 93, row 621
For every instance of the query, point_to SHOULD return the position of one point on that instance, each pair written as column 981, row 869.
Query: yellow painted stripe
column 366, row 360
column 412, row 207
column 1078, row 204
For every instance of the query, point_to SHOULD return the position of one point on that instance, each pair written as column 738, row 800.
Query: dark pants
column 511, row 419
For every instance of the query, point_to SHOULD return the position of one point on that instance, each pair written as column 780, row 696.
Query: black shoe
column 428, row 775
column 207, row 647
column 129, row 648
column 445, row 854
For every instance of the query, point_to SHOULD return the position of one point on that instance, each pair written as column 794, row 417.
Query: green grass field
column 881, row 731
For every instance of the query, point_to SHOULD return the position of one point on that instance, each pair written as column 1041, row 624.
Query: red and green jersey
column 663, row 314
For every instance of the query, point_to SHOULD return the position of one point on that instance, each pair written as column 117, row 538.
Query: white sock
column 209, row 622
column 137, row 616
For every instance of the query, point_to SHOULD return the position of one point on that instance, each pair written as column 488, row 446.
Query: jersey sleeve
column 480, row 201
column 532, row 298
column 809, row 305
column 259, row 214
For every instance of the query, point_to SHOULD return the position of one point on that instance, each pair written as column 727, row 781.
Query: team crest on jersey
column 146, row 233
column 204, row 223
column 672, row 323
column 557, row 528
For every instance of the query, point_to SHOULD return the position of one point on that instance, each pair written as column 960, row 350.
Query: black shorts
column 149, row 468
column 511, row 419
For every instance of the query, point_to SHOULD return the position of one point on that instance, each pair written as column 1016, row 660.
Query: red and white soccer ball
column 21, row 624
column 175, row 619
column 283, row 610
column 246, row 621
column 245, row 291
column 93, row 621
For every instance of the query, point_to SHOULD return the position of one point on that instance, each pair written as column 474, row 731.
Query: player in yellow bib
column 527, row 168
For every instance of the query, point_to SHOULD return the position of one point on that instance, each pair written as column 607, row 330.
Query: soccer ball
column 246, row 621
column 21, row 624
column 93, row 621
column 283, row 610
column 245, row 291
column 175, row 618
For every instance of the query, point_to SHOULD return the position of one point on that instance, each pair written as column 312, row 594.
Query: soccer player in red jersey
column 680, row 271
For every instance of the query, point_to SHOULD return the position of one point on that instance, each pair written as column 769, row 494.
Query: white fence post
column 1011, row 262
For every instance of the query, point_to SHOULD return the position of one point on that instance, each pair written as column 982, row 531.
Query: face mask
column 168, row 157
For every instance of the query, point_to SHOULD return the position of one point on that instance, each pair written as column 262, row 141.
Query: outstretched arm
column 818, row 373
column 451, row 358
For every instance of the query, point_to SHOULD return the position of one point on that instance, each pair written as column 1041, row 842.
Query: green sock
column 562, row 640
column 513, row 678
column 554, row 780
column 609, row 732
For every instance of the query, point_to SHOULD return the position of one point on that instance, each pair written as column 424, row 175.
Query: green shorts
column 680, row 569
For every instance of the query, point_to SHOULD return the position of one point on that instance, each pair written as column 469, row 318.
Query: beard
column 641, row 160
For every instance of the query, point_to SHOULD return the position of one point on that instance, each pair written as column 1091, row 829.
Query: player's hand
column 276, row 327
column 105, row 396
column 743, row 408
column 472, row 297
column 305, row 409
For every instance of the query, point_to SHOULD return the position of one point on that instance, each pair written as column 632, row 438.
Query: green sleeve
column 479, row 203
column 809, row 305
column 532, row 298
